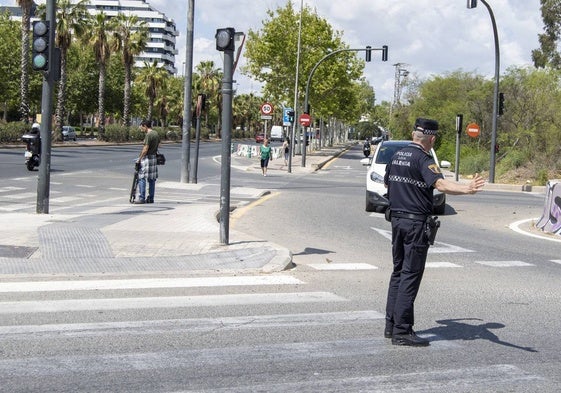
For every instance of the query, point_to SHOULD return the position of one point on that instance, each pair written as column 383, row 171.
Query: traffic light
column 225, row 39
column 501, row 103
column 384, row 53
column 40, row 45
column 368, row 53
column 471, row 4
column 290, row 115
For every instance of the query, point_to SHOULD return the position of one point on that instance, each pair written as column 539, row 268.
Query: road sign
column 473, row 130
column 286, row 118
column 305, row 120
column 267, row 109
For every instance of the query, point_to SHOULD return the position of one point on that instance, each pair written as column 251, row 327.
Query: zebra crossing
column 224, row 333
column 77, row 194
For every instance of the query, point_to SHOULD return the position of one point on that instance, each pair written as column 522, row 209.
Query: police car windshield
column 388, row 149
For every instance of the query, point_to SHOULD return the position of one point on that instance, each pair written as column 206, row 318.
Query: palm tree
column 209, row 83
column 70, row 19
column 130, row 38
column 153, row 78
column 26, row 8
column 97, row 35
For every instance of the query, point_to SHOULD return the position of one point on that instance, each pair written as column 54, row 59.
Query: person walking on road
column 286, row 150
column 148, row 165
column 411, row 177
column 266, row 155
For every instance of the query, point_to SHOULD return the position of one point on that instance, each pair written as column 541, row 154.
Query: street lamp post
column 473, row 4
column 293, row 131
column 384, row 50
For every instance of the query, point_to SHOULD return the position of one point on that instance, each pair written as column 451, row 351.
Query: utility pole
column 398, row 84
column 44, row 178
column 187, row 98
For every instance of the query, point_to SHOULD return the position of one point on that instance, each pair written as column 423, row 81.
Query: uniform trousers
column 409, row 248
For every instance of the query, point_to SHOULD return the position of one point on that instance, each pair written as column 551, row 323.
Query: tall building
column 162, row 31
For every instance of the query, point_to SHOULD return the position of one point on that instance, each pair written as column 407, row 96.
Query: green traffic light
column 39, row 62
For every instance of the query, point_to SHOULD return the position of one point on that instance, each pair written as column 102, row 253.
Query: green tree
column 130, row 38
column 272, row 54
column 83, row 79
column 10, row 37
column 153, row 79
column 26, row 7
column 208, row 81
column 246, row 112
column 69, row 16
column 548, row 54
column 97, row 35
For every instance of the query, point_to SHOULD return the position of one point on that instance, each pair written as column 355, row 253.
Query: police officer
column 411, row 177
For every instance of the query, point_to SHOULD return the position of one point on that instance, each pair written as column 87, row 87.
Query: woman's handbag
column 160, row 159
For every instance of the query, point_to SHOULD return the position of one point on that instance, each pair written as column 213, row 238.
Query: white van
column 277, row 134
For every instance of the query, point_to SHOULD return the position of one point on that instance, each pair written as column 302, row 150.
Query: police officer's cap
column 426, row 126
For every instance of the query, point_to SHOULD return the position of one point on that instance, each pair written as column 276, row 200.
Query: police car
column 376, row 192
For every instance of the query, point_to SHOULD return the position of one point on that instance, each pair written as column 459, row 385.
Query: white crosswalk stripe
column 342, row 266
column 114, row 338
column 504, row 263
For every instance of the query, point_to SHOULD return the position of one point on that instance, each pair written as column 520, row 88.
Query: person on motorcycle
column 366, row 147
column 35, row 128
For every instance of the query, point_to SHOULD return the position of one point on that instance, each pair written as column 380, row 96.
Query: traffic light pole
column 473, row 4
column 384, row 50
column 44, row 178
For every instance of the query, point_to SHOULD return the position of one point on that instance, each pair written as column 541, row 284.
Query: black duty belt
column 416, row 217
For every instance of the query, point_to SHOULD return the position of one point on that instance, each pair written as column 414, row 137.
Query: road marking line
column 504, row 263
column 556, row 261
column 50, row 306
column 23, row 195
column 11, row 208
column 515, row 227
column 148, row 283
column 342, row 266
column 441, row 264
column 65, row 199
column 194, row 324
column 11, row 188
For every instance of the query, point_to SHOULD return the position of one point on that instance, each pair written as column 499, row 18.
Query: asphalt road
column 488, row 301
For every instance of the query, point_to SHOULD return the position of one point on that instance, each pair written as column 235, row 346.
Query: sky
column 427, row 37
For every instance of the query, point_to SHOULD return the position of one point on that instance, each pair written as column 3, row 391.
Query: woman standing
column 266, row 155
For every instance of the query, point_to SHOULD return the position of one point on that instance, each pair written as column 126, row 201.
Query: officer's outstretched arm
column 454, row 188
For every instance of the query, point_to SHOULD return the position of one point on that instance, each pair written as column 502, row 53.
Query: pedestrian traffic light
column 40, row 45
column 290, row 115
column 384, row 53
column 501, row 103
column 368, row 53
column 225, row 39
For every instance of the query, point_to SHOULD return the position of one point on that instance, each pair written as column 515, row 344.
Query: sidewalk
column 160, row 238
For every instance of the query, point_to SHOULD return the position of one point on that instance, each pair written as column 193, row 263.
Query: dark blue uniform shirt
column 410, row 177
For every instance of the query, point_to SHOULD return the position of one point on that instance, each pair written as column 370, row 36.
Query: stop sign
column 305, row 120
column 472, row 130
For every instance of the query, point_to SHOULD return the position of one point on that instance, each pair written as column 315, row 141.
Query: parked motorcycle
column 366, row 149
column 33, row 147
